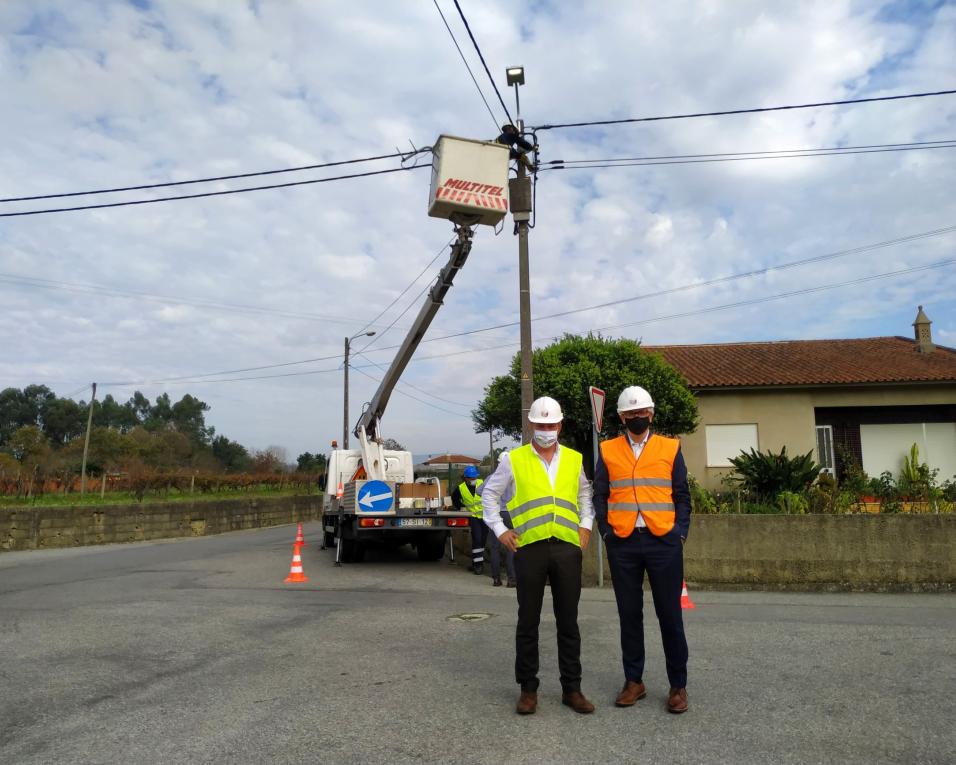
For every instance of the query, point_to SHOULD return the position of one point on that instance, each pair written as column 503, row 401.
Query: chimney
column 924, row 337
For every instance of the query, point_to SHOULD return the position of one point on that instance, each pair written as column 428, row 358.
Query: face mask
column 637, row 425
column 545, row 438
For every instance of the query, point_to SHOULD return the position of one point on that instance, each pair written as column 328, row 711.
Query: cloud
column 104, row 94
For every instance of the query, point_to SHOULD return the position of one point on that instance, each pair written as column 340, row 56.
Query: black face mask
column 637, row 425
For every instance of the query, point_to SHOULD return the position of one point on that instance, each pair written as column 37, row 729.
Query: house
column 868, row 398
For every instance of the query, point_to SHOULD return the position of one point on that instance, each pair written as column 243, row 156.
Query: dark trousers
column 535, row 564
column 663, row 560
column 479, row 535
column 498, row 549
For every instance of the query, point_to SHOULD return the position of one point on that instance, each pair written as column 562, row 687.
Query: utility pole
column 520, row 193
column 345, row 400
column 86, row 444
column 345, row 395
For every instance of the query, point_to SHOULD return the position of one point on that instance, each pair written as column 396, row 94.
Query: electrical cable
column 750, row 153
column 213, row 193
column 383, row 368
column 92, row 289
column 608, row 304
column 487, row 71
column 414, row 398
column 744, row 111
column 599, row 164
column 684, row 314
column 410, row 285
column 465, row 62
column 167, row 184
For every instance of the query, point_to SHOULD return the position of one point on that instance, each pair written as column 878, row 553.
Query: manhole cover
column 468, row 617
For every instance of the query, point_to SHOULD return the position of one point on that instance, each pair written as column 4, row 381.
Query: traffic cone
column 295, row 571
column 339, row 491
column 299, row 539
column 685, row 601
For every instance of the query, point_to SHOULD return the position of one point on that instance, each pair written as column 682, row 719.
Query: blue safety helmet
column 471, row 472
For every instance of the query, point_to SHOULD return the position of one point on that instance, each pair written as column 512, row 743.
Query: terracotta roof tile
column 809, row 362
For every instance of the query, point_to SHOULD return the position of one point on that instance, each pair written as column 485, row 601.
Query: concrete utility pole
column 345, row 397
column 86, row 444
column 520, row 193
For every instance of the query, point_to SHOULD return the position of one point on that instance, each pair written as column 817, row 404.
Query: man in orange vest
column 642, row 506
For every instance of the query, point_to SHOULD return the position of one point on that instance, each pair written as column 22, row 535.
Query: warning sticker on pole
column 597, row 406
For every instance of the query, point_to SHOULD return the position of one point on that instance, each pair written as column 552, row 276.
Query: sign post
column 597, row 411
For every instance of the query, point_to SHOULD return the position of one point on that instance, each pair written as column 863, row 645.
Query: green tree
column 565, row 369
column 28, row 445
column 233, row 456
column 21, row 407
column 63, row 419
column 110, row 413
column 188, row 416
column 391, row 443
column 311, row 463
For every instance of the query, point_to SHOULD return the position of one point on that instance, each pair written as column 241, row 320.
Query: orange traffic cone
column 299, row 539
column 339, row 491
column 295, row 572
column 685, row 601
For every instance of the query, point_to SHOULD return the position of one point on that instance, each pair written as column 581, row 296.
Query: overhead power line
column 93, row 289
column 756, row 110
column 383, row 368
column 644, row 296
column 649, row 320
column 487, row 71
column 413, row 398
column 211, row 179
column 465, row 62
column 705, row 283
column 213, row 193
column 681, row 159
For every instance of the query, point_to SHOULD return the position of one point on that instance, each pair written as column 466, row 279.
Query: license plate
column 414, row 521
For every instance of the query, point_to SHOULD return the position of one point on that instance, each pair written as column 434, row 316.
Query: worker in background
column 465, row 498
column 519, row 146
column 549, row 499
column 642, row 505
column 497, row 548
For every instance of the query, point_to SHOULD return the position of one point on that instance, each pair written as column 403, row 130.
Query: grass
column 92, row 499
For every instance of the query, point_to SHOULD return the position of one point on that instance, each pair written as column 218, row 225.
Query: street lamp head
column 515, row 75
column 369, row 334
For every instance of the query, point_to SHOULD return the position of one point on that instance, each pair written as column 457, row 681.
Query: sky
column 157, row 297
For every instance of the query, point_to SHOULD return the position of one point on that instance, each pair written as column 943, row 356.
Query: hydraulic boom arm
column 367, row 428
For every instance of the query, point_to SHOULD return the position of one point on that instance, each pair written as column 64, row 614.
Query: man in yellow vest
column 466, row 497
column 642, row 505
column 549, row 499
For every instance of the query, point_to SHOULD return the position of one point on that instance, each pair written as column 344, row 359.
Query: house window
column 727, row 441
column 885, row 446
column 825, row 449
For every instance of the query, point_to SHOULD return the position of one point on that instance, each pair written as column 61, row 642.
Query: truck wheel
column 432, row 548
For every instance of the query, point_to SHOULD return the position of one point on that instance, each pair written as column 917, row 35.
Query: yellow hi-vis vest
column 471, row 502
column 539, row 511
column 643, row 484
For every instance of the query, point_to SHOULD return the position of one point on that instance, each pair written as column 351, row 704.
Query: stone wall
column 43, row 527
column 879, row 553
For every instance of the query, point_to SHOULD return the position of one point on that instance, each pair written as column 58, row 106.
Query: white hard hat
column 545, row 410
column 634, row 397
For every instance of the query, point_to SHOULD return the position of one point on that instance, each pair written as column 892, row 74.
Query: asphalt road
column 194, row 651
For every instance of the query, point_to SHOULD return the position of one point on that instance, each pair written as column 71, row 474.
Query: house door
column 825, row 454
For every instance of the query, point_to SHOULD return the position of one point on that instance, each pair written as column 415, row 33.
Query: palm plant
column 765, row 474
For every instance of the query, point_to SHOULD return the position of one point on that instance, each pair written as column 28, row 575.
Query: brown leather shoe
column 677, row 700
column 577, row 702
column 630, row 694
column 527, row 703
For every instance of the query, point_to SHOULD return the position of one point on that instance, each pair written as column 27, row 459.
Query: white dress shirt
column 500, row 488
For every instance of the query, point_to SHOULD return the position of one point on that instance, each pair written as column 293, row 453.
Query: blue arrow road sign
column 375, row 497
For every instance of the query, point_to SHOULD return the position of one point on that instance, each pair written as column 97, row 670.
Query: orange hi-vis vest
column 643, row 484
